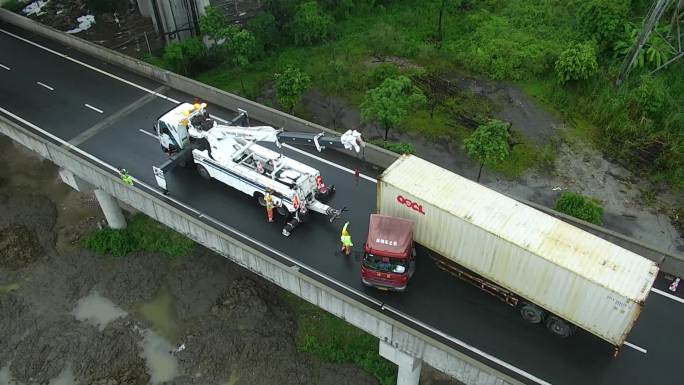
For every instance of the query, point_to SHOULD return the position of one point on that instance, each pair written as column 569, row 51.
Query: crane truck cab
column 389, row 253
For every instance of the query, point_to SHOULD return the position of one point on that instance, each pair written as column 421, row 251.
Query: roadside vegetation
column 581, row 207
column 142, row 234
column 567, row 54
column 334, row 340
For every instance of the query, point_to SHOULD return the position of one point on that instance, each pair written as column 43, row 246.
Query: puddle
column 6, row 289
column 97, row 310
column 161, row 364
column 159, row 312
column 66, row 377
column 6, row 376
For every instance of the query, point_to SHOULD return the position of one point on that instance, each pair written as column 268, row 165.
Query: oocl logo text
column 410, row 204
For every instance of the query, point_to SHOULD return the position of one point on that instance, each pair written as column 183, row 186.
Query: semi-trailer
column 550, row 271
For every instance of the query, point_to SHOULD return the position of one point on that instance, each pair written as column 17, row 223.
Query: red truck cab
column 389, row 255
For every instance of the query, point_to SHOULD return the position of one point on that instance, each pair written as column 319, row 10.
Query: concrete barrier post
column 111, row 209
column 409, row 366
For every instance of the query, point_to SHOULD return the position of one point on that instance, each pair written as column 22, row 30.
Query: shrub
column 604, row 19
column 107, row 6
column 576, row 63
column 651, row 96
column 384, row 40
column 142, row 234
column 581, row 207
column 489, row 143
column 13, row 5
column 263, row 27
column 310, row 25
column 398, row 147
column 184, row 57
column 290, row 85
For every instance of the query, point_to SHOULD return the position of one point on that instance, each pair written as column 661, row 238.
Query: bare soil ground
column 232, row 326
column 633, row 205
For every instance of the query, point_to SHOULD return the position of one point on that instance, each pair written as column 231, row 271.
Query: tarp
column 389, row 236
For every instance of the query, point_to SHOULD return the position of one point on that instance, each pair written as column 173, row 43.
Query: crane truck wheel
column 260, row 199
column 559, row 327
column 203, row 172
column 532, row 313
column 283, row 211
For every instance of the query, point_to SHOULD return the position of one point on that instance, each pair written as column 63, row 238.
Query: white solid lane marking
column 148, row 133
column 668, row 295
column 89, row 66
column 45, row 85
column 93, row 108
column 5, row 67
column 635, row 347
column 168, row 98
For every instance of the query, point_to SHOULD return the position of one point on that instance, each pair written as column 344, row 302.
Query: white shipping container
column 584, row 279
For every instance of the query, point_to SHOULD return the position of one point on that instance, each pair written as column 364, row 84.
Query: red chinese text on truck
column 389, row 255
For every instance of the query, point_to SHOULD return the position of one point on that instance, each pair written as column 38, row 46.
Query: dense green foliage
column 290, row 85
column 310, row 25
column 334, row 340
column 581, row 207
column 142, row 234
column 576, row 63
column 489, row 143
column 13, row 5
column 107, row 6
column 640, row 123
column 390, row 102
column 184, row 57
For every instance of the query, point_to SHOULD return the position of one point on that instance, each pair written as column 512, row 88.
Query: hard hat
column 123, row 170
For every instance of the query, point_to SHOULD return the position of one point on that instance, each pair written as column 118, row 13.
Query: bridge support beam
column 111, row 209
column 409, row 366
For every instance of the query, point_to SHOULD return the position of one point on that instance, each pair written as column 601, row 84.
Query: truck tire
column 532, row 313
column 559, row 327
column 203, row 172
column 282, row 210
column 260, row 199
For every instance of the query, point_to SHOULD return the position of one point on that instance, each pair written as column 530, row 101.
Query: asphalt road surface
column 109, row 113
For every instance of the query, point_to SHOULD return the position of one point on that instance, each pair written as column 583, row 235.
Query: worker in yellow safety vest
column 269, row 205
column 125, row 177
column 346, row 240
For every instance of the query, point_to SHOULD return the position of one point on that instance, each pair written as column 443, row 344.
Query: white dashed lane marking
column 93, row 108
column 45, row 85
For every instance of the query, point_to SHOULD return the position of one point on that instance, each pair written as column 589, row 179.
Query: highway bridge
column 104, row 115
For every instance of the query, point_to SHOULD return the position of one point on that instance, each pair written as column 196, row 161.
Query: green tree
column 310, row 24
column 290, row 85
column 240, row 46
column 183, row 57
column 577, row 63
column 445, row 6
column 489, row 143
column 603, row 19
column 213, row 23
column 384, row 40
column 390, row 102
column 581, row 207
column 263, row 27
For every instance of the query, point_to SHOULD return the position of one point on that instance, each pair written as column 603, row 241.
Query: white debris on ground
column 84, row 24
column 35, row 8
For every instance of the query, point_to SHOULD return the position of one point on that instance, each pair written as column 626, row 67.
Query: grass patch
column 13, row 6
column 334, row 340
column 141, row 234
column 580, row 206
column 397, row 147
column 523, row 157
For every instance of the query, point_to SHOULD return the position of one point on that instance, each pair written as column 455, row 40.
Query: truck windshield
column 389, row 265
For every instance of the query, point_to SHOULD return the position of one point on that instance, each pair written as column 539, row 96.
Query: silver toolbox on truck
column 594, row 284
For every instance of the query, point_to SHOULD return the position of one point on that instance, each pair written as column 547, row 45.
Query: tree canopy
column 390, row 102
column 489, row 143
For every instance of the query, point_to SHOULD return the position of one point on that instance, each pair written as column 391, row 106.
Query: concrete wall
column 323, row 291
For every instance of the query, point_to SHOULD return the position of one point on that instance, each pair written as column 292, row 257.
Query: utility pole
column 654, row 15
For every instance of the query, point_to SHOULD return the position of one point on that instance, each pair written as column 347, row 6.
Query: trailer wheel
column 203, row 172
column 282, row 210
column 559, row 327
column 532, row 313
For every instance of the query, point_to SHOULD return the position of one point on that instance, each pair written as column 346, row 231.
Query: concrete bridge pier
column 409, row 366
column 111, row 209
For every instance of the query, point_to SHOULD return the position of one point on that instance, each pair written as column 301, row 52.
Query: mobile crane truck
column 230, row 154
column 553, row 273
